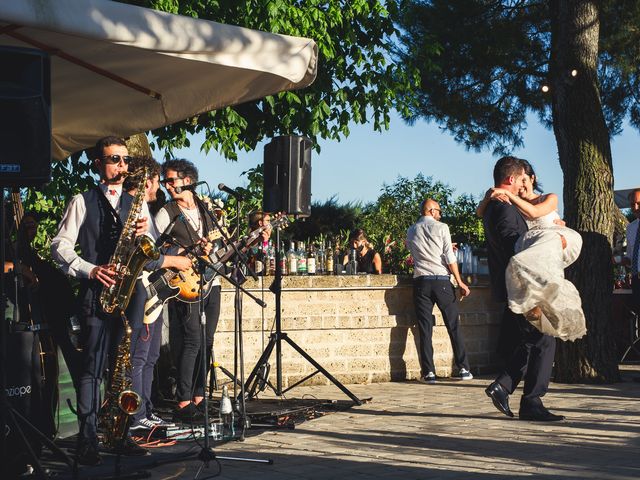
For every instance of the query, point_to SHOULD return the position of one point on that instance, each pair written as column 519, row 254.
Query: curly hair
column 183, row 167
column 153, row 169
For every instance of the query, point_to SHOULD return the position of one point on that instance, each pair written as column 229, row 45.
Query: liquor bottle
column 302, row 259
column 337, row 260
column 292, row 259
column 329, row 259
column 283, row 260
column 311, row 260
column 352, row 265
column 321, row 261
column 270, row 262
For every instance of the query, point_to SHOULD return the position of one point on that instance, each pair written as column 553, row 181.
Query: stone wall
column 360, row 328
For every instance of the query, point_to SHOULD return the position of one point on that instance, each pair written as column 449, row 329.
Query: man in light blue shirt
column 429, row 242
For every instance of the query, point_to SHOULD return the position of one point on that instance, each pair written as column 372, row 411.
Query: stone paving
column 448, row 430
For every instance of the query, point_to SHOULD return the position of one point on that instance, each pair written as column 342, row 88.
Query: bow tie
column 112, row 192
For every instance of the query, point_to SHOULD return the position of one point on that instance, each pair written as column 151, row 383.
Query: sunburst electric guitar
column 167, row 283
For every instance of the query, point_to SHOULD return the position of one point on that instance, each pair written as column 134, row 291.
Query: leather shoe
column 500, row 397
column 539, row 414
column 88, row 454
column 129, row 448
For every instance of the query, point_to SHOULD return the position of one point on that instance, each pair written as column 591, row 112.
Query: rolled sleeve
column 448, row 255
column 64, row 243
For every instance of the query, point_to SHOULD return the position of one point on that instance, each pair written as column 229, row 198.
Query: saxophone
column 128, row 262
column 121, row 401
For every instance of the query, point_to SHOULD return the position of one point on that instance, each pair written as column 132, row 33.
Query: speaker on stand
column 287, row 176
column 287, row 189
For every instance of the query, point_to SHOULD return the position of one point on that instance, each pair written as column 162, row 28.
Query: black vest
column 97, row 237
column 183, row 232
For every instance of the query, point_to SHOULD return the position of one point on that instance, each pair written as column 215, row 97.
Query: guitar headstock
column 279, row 220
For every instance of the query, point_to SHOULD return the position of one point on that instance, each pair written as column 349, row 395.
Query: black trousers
column 531, row 359
column 100, row 336
column 426, row 293
column 185, row 341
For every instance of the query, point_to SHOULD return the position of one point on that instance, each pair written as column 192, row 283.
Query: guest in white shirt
column 429, row 242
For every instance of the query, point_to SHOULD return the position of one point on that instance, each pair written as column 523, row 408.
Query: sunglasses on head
column 115, row 159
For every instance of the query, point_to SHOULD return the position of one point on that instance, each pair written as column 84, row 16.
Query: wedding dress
column 535, row 277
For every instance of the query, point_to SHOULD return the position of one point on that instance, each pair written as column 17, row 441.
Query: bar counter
column 360, row 328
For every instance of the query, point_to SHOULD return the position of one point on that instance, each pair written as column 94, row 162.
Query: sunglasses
column 115, row 159
column 169, row 181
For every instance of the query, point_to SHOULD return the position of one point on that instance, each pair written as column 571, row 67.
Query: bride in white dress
column 536, row 286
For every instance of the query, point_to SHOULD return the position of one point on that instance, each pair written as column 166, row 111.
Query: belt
column 433, row 277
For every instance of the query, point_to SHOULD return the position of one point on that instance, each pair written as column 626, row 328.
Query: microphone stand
column 207, row 453
column 238, row 278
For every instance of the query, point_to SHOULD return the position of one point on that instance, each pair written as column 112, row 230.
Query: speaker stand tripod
column 254, row 380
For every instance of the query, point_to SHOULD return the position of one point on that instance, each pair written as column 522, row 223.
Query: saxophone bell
column 129, row 402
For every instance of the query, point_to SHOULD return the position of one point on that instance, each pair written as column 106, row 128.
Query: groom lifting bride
column 530, row 283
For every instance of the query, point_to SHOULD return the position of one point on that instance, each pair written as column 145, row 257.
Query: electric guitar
column 167, row 283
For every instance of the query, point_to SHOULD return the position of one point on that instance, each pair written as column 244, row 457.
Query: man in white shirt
column 94, row 220
column 429, row 242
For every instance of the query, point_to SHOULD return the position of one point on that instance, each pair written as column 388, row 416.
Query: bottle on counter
column 283, row 260
column 352, row 265
column 329, row 260
column 292, row 259
column 311, row 260
column 321, row 262
column 302, row 259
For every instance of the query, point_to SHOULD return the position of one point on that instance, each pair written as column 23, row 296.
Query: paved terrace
column 448, row 430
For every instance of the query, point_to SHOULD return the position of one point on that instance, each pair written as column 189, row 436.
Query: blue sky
column 356, row 168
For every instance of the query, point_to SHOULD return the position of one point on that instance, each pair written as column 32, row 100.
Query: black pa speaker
column 287, row 176
column 25, row 117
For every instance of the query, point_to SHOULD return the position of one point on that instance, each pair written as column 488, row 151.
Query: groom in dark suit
column 528, row 352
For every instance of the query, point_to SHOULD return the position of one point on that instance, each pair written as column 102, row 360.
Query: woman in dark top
column 369, row 261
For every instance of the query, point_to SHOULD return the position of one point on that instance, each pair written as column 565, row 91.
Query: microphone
column 188, row 187
column 166, row 235
column 223, row 188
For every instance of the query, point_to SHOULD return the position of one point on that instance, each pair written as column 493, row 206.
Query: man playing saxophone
column 94, row 220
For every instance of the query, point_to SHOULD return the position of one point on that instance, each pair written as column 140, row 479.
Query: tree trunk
column 585, row 157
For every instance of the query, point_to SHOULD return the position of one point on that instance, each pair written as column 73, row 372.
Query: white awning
column 118, row 69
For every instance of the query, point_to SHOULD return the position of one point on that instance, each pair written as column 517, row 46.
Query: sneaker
column 188, row 414
column 465, row 374
column 429, row 378
column 159, row 421
column 143, row 424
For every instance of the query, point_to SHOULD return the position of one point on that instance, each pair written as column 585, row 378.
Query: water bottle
column 226, row 415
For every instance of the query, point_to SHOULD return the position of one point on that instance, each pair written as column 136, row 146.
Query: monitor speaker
column 25, row 117
column 287, row 175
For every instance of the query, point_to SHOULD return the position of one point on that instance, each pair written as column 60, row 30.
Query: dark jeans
column 532, row 358
column 426, row 293
column 145, row 351
column 185, row 341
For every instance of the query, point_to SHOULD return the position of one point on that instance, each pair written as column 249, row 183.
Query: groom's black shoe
column 539, row 414
column 500, row 397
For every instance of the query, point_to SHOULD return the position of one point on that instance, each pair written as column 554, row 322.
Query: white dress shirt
column 429, row 242
column 64, row 243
